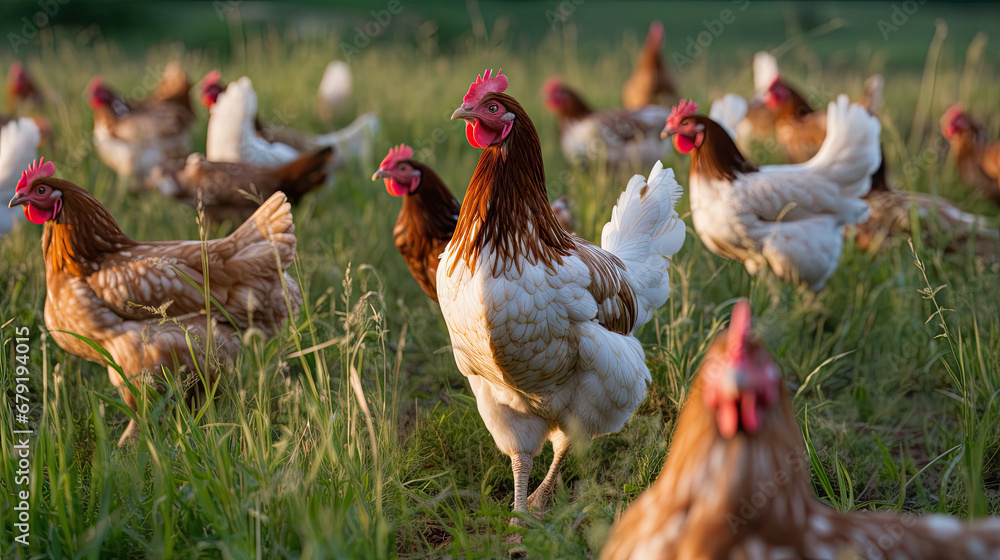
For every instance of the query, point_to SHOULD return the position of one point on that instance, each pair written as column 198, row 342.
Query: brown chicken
column 20, row 88
column 134, row 137
column 134, row 298
column 234, row 190
column 650, row 82
column 736, row 482
column 427, row 219
column 977, row 158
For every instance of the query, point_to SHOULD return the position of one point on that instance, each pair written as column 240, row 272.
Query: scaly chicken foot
column 560, row 447
column 521, row 464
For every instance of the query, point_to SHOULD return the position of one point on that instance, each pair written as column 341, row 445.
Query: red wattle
column 683, row 144
column 395, row 189
column 37, row 216
column 749, row 413
column 478, row 135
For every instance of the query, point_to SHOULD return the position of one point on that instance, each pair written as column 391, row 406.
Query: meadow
column 353, row 434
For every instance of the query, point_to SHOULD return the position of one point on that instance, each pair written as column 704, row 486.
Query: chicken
column 20, row 88
column 736, row 483
column 799, row 129
column 117, row 292
column 788, row 217
column 427, row 219
column 977, row 158
column 621, row 139
column 233, row 190
column 132, row 138
column 334, row 90
column 758, row 123
column 941, row 222
column 542, row 322
column 235, row 133
column 650, row 82
column 18, row 148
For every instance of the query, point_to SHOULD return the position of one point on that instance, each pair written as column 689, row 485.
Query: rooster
column 235, row 133
column 650, row 82
column 19, row 141
column 427, row 219
column 736, row 482
column 20, row 88
column 132, row 138
column 789, row 217
column 890, row 209
column 978, row 159
column 233, row 190
column 622, row 139
column 117, row 292
column 542, row 322
column 334, row 89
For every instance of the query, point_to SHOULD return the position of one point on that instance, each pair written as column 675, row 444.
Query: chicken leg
column 522, row 472
column 560, row 446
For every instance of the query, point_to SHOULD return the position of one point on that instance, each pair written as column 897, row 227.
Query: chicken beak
column 16, row 201
column 462, row 113
column 380, row 174
column 667, row 133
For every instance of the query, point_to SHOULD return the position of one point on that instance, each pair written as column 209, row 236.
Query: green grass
column 353, row 434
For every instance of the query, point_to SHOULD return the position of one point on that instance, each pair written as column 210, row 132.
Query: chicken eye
column 41, row 190
column 493, row 108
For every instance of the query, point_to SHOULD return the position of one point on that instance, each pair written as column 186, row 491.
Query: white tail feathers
column 765, row 70
column 18, row 148
column 645, row 232
column 728, row 112
column 353, row 142
column 232, row 117
column 850, row 153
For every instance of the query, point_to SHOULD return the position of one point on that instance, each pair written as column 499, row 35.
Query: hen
column 427, row 219
column 20, row 88
column 736, row 482
column 789, row 217
column 977, row 158
column 18, row 148
column 235, row 133
column 542, row 322
column 233, row 190
column 132, row 138
column 941, row 222
column 117, row 292
column 650, row 82
column 621, row 139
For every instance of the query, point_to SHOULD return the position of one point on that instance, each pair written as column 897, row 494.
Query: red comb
column 739, row 330
column 39, row 168
column 212, row 77
column 685, row 108
column 95, row 83
column 954, row 111
column 397, row 154
column 16, row 69
column 774, row 82
column 485, row 84
column 655, row 34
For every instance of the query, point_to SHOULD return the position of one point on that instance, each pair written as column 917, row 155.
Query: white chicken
column 542, row 322
column 788, row 217
column 334, row 89
column 19, row 140
column 235, row 134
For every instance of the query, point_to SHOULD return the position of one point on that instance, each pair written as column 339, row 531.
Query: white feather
column 18, row 148
column 335, row 88
column 765, row 70
column 353, row 142
column 728, row 112
column 231, row 133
